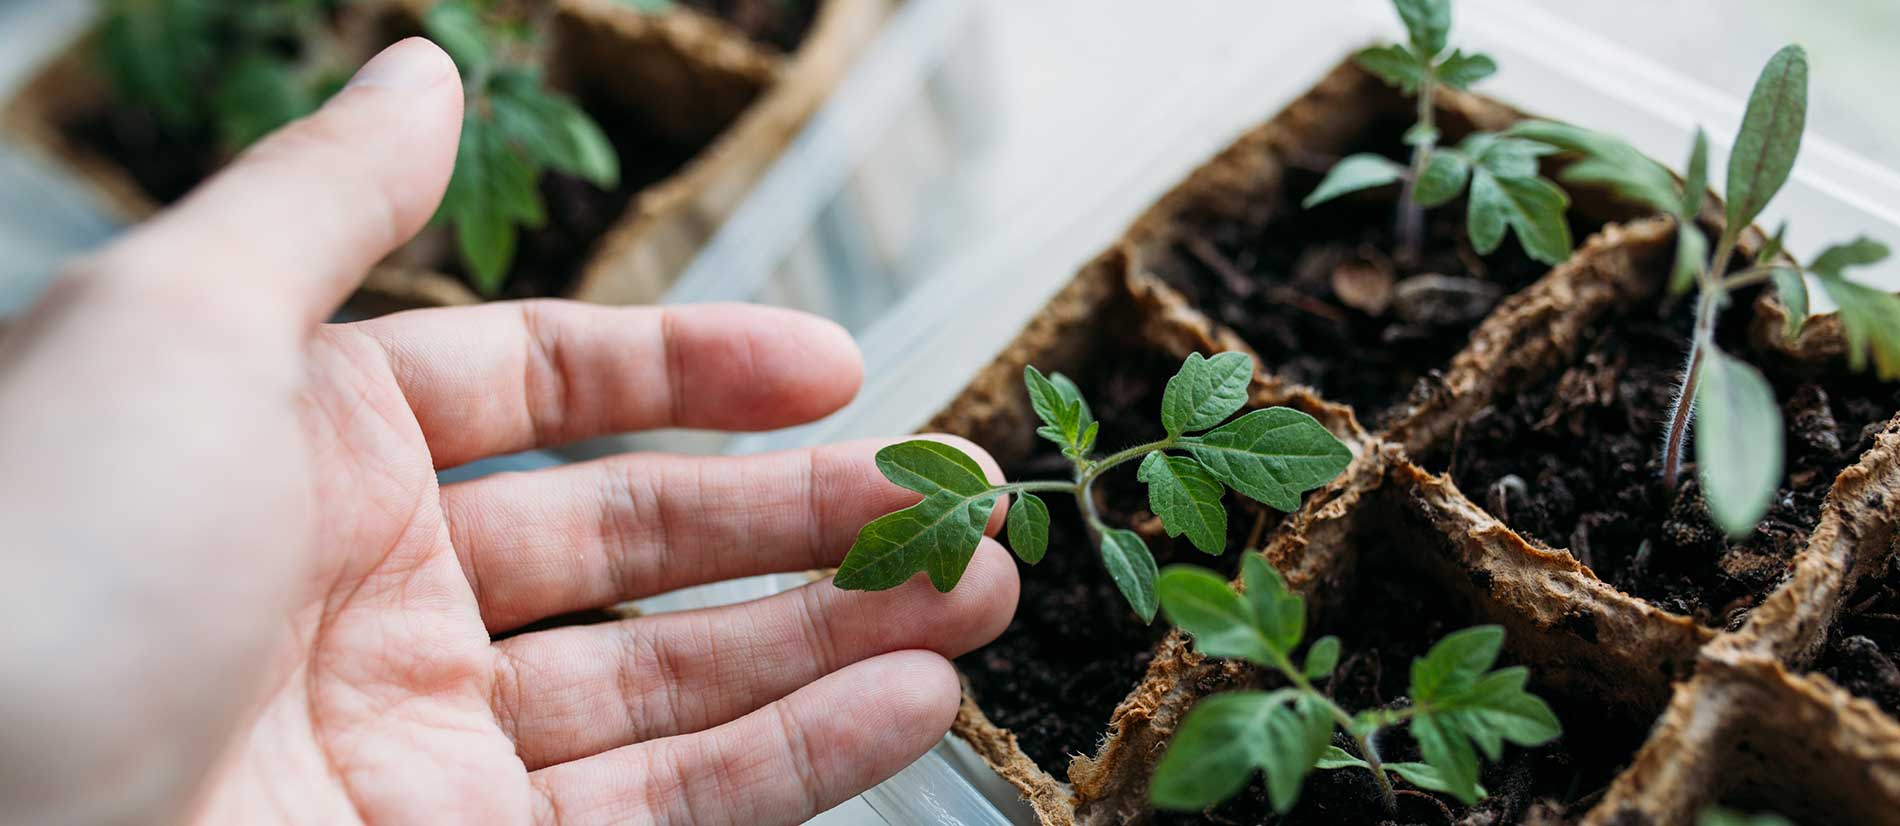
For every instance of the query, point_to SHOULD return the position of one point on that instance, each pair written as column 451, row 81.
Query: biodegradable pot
column 722, row 106
column 1664, row 711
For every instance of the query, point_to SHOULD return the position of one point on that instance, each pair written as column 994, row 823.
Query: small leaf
column 1201, row 603
column 1460, row 70
column 1860, row 252
column 1187, row 498
column 1695, row 186
column 1737, row 442
column 1056, row 411
column 1444, row 178
column 1396, row 65
column 1770, row 136
column 1279, row 613
column 1338, row 758
column 1870, row 321
column 457, row 28
column 1271, row 456
column 1029, row 527
column 1424, row 777
column 1322, row 657
column 1692, row 251
column 555, row 131
column 1455, row 662
column 936, row 536
column 1218, row 746
column 1420, row 134
column 1205, row 391
column 1607, row 161
column 1450, row 754
column 929, row 467
column 1352, row 174
column 1132, row 568
column 1792, row 289
column 1504, row 155
column 1288, row 749
column 1533, row 207
column 1427, row 22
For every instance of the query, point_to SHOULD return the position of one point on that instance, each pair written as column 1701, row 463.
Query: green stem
column 1749, row 277
column 1084, row 485
column 1411, row 215
column 1344, row 720
column 1713, row 291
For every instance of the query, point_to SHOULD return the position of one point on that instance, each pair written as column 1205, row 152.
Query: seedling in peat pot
column 1739, row 441
column 1457, row 706
column 1271, row 456
column 1506, row 191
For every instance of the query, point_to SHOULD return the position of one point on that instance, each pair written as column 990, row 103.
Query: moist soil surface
column 781, row 24
column 1392, row 615
column 167, row 165
column 1318, row 294
column 1075, row 649
column 1575, row 462
column 1862, row 647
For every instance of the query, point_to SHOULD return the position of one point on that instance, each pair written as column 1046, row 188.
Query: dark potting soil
column 1075, row 649
column 1317, row 293
column 1862, row 646
column 163, row 162
column 781, row 23
column 1391, row 616
column 1575, row 462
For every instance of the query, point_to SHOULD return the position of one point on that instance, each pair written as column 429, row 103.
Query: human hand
column 236, row 593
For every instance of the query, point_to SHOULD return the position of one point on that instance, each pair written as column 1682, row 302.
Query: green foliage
column 1870, row 318
column 1770, row 137
column 1460, row 707
column 1738, row 441
column 1716, row 816
column 1272, row 455
column 1506, row 192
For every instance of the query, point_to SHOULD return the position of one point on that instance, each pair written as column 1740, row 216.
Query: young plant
column 1506, row 191
column 1457, row 705
column 1270, row 456
column 1739, row 430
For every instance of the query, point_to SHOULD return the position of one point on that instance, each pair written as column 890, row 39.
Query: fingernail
column 412, row 64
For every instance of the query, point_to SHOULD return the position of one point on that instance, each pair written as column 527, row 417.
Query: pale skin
column 236, row 593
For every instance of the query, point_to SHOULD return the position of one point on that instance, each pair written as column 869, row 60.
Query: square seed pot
column 697, row 111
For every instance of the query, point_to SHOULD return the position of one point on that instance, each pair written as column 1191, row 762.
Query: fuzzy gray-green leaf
column 1737, row 441
column 1132, row 567
column 1352, row 174
column 1271, row 456
column 1205, row 391
column 1029, row 527
column 1607, row 161
column 1870, row 321
column 1533, row 207
column 1770, row 136
column 1187, row 498
column 1220, row 621
column 1695, row 185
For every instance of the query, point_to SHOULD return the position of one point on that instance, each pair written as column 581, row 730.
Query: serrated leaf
column 1028, row 525
column 1770, row 136
column 1450, row 754
column 936, row 536
column 1396, row 65
column 1279, row 613
column 1606, row 161
column 1337, row 758
column 1695, row 184
column 1860, row 252
column 1059, row 414
column 1205, row 391
column 1870, row 321
column 1220, row 621
column 1692, row 251
column 1444, row 177
column 1218, row 746
column 1271, row 456
column 1352, row 174
column 1738, row 437
column 1455, row 662
column 1187, row 498
column 1533, row 207
column 1424, row 777
column 1427, row 24
column 1460, row 70
column 1322, row 657
column 1132, row 567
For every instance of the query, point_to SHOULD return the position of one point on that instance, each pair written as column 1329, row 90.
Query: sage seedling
column 1739, row 432
column 1271, row 455
column 1506, row 191
column 1458, row 706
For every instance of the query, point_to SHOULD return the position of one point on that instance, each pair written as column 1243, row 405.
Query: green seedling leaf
column 1187, row 498
column 1205, row 392
column 1770, row 136
column 1460, row 70
column 1322, row 657
column 1532, row 206
column 457, row 28
column 1692, row 251
column 1449, row 754
column 1427, row 24
column 1297, row 736
column 1220, row 743
column 1396, row 65
column 1271, row 456
column 1455, row 662
column 1737, row 442
column 1695, row 185
column 1029, row 527
column 1278, row 613
column 1870, row 318
column 1337, row 758
column 159, row 54
column 936, row 536
column 1426, row 777
column 260, row 95
column 1714, row 816
column 555, row 132
column 1860, row 252
column 1132, row 568
column 1504, row 155
column 1608, row 162
column 1061, row 418
column 1420, row 134
column 1352, row 174
column 1444, row 177
column 1221, row 622
column 1793, row 292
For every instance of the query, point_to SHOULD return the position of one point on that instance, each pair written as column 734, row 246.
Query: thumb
column 291, row 227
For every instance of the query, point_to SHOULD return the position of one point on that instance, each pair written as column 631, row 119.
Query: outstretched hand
column 237, row 594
